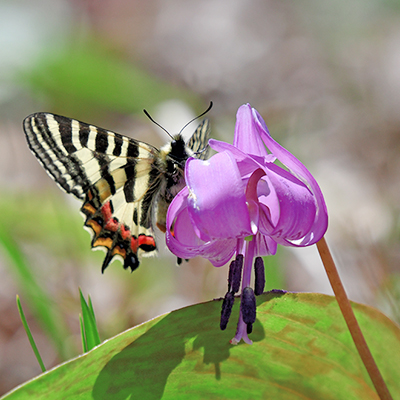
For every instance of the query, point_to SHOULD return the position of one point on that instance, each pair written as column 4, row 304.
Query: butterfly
column 126, row 185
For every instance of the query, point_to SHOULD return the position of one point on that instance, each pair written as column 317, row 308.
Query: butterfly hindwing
column 121, row 181
column 198, row 143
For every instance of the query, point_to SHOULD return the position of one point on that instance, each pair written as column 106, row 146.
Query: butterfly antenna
column 194, row 119
column 155, row 122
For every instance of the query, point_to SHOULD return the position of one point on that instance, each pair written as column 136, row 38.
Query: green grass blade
column 92, row 310
column 90, row 334
column 29, row 334
column 83, row 337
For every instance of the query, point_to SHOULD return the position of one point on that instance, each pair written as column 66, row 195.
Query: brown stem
column 351, row 321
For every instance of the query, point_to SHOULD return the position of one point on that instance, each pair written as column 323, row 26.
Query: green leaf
column 302, row 350
column 89, row 332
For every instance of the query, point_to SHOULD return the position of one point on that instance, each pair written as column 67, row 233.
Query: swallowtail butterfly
column 125, row 184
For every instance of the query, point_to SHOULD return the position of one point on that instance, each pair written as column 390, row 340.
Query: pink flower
column 239, row 202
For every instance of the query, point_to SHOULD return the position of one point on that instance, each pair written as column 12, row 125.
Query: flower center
column 240, row 273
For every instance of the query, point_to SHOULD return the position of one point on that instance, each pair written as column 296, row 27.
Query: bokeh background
column 324, row 74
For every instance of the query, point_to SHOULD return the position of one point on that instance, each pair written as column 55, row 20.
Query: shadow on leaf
column 142, row 368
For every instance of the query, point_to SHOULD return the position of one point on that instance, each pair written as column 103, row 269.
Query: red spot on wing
column 125, row 232
column 134, row 244
column 106, row 211
column 147, row 243
column 112, row 225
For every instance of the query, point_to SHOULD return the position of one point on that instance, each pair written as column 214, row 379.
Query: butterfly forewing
column 77, row 155
column 119, row 179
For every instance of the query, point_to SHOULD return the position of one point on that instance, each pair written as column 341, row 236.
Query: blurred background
column 324, row 74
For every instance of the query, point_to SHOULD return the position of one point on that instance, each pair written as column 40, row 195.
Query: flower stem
column 351, row 321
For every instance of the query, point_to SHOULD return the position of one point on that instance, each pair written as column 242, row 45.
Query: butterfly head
column 179, row 151
column 174, row 155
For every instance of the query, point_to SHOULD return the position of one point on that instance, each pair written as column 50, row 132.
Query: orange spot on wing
column 161, row 227
column 94, row 225
column 89, row 208
column 106, row 242
column 119, row 251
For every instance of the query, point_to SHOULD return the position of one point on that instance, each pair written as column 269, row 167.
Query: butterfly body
column 125, row 184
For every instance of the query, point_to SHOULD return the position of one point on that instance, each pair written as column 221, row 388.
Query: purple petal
column 265, row 245
column 217, row 202
column 291, row 207
column 319, row 222
column 246, row 164
column 180, row 236
column 246, row 136
column 183, row 241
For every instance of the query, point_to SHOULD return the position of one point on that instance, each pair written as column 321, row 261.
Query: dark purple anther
column 226, row 310
column 235, row 274
column 248, row 306
column 232, row 267
column 259, row 273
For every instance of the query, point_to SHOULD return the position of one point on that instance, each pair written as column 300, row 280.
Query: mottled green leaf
column 301, row 350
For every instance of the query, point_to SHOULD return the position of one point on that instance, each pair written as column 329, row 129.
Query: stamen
column 235, row 274
column 237, row 277
column 248, row 306
column 259, row 273
column 239, row 258
column 226, row 310
column 232, row 268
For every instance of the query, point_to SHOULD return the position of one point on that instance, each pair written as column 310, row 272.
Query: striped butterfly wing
column 116, row 177
column 198, row 143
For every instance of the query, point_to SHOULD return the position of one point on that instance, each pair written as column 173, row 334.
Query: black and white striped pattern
column 77, row 155
column 109, row 171
column 198, row 143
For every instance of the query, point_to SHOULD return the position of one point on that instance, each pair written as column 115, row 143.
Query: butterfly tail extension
column 115, row 237
column 108, row 233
